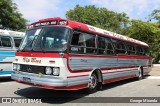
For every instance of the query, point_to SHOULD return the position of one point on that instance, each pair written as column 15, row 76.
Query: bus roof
column 11, row 33
column 84, row 27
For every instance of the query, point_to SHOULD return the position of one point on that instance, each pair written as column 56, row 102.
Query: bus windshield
column 45, row 39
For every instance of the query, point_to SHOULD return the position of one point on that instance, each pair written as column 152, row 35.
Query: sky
column 34, row 10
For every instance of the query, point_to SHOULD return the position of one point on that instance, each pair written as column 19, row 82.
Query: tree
column 99, row 17
column 143, row 31
column 147, row 32
column 155, row 15
column 156, row 45
column 10, row 16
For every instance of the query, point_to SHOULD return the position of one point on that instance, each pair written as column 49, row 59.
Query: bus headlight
column 15, row 67
column 56, row 71
column 48, row 71
column 18, row 67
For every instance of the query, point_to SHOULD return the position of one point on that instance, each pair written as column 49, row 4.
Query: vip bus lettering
column 34, row 60
column 26, row 59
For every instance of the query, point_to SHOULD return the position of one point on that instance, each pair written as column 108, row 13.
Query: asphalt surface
column 125, row 91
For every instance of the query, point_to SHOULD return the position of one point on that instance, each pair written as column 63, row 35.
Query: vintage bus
column 9, row 43
column 63, row 54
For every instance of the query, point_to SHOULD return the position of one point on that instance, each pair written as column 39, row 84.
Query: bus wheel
column 140, row 74
column 93, row 83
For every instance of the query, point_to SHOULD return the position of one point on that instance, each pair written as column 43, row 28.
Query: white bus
column 66, row 55
column 9, row 43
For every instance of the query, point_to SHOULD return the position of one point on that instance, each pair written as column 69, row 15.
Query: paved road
column 148, row 87
column 155, row 70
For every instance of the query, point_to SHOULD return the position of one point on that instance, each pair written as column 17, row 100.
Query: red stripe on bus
column 119, row 67
column 37, row 54
column 117, row 71
column 78, row 76
column 57, row 55
column 146, row 73
column 118, row 79
column 74, row 87
column 77, row 87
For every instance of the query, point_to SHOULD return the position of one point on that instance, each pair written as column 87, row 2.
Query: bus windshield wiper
column 25, row 48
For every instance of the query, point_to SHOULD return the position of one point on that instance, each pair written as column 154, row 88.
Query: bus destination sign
column 46, row 23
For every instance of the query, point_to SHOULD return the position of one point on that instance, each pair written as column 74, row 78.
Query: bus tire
column 140, row 74
column 93, row 83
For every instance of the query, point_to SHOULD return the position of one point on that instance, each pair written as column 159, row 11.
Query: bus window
column 17, row 41
column 0, row 42
column 131, row 49
column 139, row 50
column 6, row 42
column 119, row 46
column 105, row 46
column 146, row 51
column 83, row 43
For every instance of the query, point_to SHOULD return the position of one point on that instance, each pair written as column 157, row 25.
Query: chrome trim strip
column 50, row 80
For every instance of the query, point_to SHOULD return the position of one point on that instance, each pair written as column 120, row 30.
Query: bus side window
column 75, row 39
column 105, row 46
column 89, row 41
column 82, row 43
column 6, row 42
column 120, row 48
column 146, row 51
column 139, row 51
column 101, row 45
column 0, row 42
column 76, row 47
column 131, row 49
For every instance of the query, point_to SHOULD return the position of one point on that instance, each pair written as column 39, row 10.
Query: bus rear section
column 65, row 55
column 9, row 42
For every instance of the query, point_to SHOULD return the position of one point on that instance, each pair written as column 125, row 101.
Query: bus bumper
column 46, row 82
column 5, row 74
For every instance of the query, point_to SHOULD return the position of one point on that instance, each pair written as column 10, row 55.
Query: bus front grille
column 32, row 69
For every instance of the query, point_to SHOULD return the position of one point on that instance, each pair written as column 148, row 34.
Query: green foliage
column 99, row 17
column 10, row 16
column 155, row 15
column 143, row 31
column 147, row 32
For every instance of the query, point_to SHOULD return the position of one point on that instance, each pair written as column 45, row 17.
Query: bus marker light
column 39, row 74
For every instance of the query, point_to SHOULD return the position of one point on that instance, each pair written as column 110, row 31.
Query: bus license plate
column 26, row 79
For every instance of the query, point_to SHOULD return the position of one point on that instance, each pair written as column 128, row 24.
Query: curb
column 156, row 64
column 152, row 77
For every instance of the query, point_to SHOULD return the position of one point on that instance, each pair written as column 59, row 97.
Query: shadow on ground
column 49, row 95
column 5, row 79
column 63, row 96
